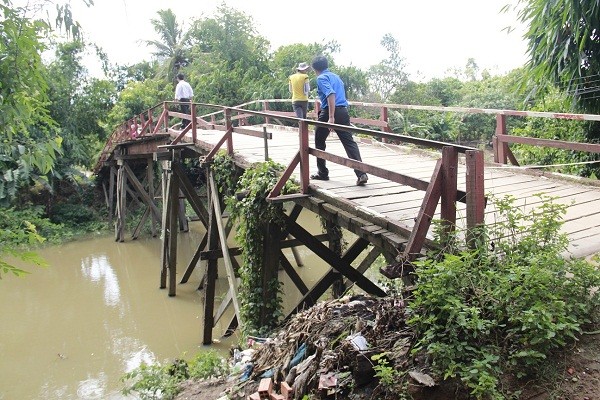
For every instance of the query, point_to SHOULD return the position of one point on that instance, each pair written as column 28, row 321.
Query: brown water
column 71, row 330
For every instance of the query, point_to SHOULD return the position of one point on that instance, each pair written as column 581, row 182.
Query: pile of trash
column 328, row 348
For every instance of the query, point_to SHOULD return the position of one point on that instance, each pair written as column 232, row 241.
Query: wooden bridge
column 411, row 183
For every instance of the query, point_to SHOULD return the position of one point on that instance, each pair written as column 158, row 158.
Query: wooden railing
column 442, row 186
column 156, row 119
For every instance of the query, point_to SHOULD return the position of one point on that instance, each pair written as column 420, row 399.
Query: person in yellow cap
column 299, row 87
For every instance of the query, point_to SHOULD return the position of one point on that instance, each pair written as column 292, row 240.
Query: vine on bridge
column 252, row 214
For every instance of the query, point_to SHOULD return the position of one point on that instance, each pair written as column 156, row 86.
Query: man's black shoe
column 318, row 177
column 362, row 180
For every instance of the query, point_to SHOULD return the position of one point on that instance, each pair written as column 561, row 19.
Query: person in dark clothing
column 334, row 110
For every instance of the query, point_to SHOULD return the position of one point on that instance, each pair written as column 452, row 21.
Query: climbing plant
column 225, row 173
column 252, row 214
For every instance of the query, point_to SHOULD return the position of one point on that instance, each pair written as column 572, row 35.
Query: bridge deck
column 385, row 199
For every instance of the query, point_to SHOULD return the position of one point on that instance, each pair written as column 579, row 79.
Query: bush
column 73, row 215
column 506, row 305
column 208, row 365
column 159, row 381
column 152, row 382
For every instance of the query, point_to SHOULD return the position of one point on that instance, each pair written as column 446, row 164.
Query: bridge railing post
column 194, row 122
column 266, row 109
column 304, row 167
column 449, row 186
column 166, row 114
column 475, row 195
column 229, row 126
column 150, row 122
column 500, row 148
column 384, row 117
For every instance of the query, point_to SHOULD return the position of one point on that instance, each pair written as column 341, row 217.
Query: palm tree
column 172, row 50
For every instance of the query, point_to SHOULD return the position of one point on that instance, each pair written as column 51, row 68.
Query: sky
column 433, row 35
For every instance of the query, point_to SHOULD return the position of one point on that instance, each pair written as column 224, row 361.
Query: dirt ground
column 572, row 374
column 577, row 373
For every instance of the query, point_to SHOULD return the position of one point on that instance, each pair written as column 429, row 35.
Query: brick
column 253, row 396
column 265, row 387
column 286, row 391
column 275, row 396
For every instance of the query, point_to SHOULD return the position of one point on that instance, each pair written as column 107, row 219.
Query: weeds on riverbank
column 162, row 381
column 506, row 306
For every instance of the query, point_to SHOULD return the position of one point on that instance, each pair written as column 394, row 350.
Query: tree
column 564, row 48
column 285, row 60
column 28, row 144
column 28, row 141
column 78, row 104
column 229, row 59
column 173, row 48
column 389, row 74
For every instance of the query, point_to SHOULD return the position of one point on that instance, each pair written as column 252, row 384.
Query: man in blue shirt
column 334, row 110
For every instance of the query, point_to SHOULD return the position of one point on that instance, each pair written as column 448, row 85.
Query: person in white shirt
column 184, row 94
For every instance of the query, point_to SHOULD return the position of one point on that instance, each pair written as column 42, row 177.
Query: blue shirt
column 328, row 83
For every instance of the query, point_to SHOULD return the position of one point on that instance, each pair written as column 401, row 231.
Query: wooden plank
column 425, row 215
column 141, row 191
column 195, row 258
column 190, row 194
column 335, row 261
column 150, row 180
column 211, row 273
column 291, row 272
column 173, row 230
column 166, row 215
column 223, row 241
column 140, row 225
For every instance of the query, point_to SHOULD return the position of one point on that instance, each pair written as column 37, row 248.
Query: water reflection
column 92, row 388
column 70, row 331
column 98, row 270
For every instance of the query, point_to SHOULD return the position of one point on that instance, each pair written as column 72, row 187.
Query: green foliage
column 224, row 170
column 506, row 305
column 555, row 129
column 388, row 376
column 208, row 365
column 229, row 59
column 79, row 106
column 389, row 75
column 138, row 97
column 496, row 92
column 151, row 382
column 162, row 381
column 172, row 50
column 75, row 216
column 18, row 233
column 564, row 46
column 252, row 214
column 28, row 144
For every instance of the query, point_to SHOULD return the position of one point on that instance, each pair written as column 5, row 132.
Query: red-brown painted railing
column 149, row 122
column 441, row 187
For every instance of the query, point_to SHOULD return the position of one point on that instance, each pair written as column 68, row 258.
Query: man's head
column 180, row 77
column 319, row 64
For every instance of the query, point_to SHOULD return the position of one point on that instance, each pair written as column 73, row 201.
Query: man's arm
column 331, row 108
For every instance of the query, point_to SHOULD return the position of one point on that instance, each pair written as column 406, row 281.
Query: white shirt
column 183, row 90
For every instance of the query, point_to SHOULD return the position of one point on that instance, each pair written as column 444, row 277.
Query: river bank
column 334, row 367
